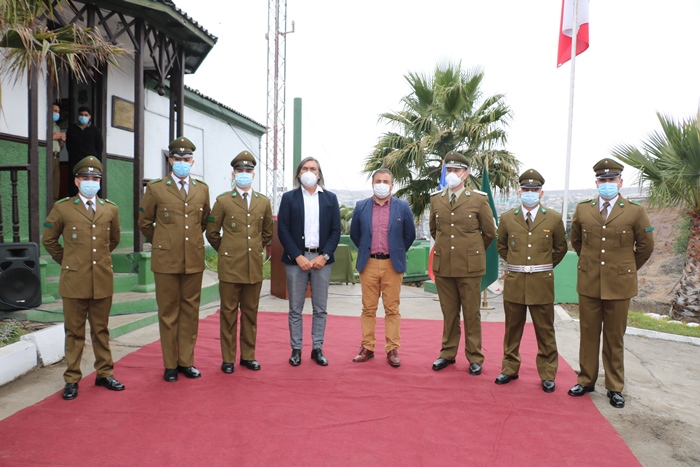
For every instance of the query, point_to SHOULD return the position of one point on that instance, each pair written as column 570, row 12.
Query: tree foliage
column 446, row 111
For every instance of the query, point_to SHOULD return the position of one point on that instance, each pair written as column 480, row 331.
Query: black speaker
column 20, row 276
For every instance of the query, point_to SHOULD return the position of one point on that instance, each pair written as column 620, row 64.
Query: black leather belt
column 379, row 256
column 311, row 250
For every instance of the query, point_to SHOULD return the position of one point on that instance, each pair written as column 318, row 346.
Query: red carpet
column 343, row 414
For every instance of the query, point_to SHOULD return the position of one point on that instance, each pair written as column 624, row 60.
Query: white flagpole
column 565, row 207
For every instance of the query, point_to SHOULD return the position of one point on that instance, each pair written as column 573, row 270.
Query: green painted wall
column 120, row 182
column 16, row 153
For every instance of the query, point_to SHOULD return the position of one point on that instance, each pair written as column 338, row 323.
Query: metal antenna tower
column 276, row 94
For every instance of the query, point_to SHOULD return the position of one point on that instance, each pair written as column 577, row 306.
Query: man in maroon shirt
column 383, row 229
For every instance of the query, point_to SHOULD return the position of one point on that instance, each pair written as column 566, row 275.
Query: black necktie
column 528, row 220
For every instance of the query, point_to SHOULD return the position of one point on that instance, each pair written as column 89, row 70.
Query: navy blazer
column 402, row 232
column 290, row 224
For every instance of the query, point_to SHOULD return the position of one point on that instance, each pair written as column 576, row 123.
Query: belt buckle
column 527, row 269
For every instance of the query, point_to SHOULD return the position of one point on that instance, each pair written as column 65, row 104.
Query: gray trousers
column 297, row 283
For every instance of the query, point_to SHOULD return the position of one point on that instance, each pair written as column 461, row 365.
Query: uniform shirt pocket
column 476, row 260
column 514, row 242
column 164, row 215
column 545, row 242
column 627, row 268
column 624, row 236
column 74, row 234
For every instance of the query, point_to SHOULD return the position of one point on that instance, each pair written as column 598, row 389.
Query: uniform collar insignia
column 543, row 210
column 517, row 211
column 77, row 200
column 234, row 193
column 169, row 182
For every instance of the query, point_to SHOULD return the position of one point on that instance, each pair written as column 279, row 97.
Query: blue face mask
column 181, row 169
column 56, row 117
column 607, row 190
column 83, row 120
column 244, row 179
column 530, row 198
column 89, row 188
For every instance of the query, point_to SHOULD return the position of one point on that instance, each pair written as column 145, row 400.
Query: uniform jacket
column 544, row 243
column 462, row 233
column 291, row 224
column 610, row 254
column 174, row 226
column 85, row 257
column 246, row 232
column 402, row 232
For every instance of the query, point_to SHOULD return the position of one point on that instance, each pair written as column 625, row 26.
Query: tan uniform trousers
column 75, row 312
column 612, row 316
column 247, row 296
column 543, row 320
column 177, row 296
column 379, row 278
column 464, row 293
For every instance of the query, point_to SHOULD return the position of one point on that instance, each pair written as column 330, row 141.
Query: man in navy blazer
column 383, row 230
column 309, row 230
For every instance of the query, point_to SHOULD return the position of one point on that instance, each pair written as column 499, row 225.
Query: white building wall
column 120, row 83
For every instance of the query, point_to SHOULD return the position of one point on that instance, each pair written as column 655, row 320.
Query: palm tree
column 669, row 162
column 28, row 44
column 444, row 112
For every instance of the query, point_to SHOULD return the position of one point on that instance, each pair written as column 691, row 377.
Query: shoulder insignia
column 49, row 225
column 648, row 229
column 169, row 182
column 435, row 193
column 636, row 203
column 223, row 194
column 480, row 192
column 63, row 200
column 155, row 181
column 517, row 211
column 111, row 202
column 583, row 201
column 198, row 181
column 141, row 209
column 211, row 219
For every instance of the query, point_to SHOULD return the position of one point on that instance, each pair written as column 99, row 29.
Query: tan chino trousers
column 379, row 278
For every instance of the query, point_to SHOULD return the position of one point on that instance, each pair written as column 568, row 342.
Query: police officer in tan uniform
column 462, row 224
column 172, row 216
column 532, row 241
column 90, row 229
column 613, row 238
column 246, row 218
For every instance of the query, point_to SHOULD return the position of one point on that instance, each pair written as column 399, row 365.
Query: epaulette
column 110, row 202
column 63, row 200
column 583, row 201
column 222, row 194
column 195, row 181
column 155, row 180
column 635, row 203
column 480, row 192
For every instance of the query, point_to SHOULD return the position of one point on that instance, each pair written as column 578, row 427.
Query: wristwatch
column 326, row 256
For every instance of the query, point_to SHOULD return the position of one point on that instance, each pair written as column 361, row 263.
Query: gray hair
column 383, row 170
column 297, row 182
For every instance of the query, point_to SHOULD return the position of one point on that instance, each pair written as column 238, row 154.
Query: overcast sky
column 347, row 61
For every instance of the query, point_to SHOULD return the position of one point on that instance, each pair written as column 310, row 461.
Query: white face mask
column 453, row 180
column 382, row 190
column 308, row 179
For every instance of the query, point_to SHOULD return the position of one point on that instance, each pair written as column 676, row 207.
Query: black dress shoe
column 70, row 391
column 227, row 368
column 251, row 364
column 475, row 369
column 441, row 363
column 548, row 385
column 504, row 378
column 170, row 375
column 579, row 390
column 295, row 359
column 317, row 354
column 616, row 399
column 189, row 371
column 110, row 382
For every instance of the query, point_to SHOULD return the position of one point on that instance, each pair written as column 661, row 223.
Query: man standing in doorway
column 532, row 241
column 172, row 216
column 613, row 238
column 246, row 218
column 58, row 138
column 91, row 231
column 82, row 139
column 462, row 224
column 383, row 230
column 309, row 231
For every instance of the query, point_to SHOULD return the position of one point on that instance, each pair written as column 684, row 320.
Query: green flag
column 491, row 252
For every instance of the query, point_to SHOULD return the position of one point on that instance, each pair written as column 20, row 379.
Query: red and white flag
column 566, row 30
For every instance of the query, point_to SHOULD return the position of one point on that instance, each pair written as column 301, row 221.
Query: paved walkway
column 660, row 422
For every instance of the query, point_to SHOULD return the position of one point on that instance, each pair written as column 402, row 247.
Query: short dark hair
column 84, row 108
column 297, row 182
column 383, row 170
